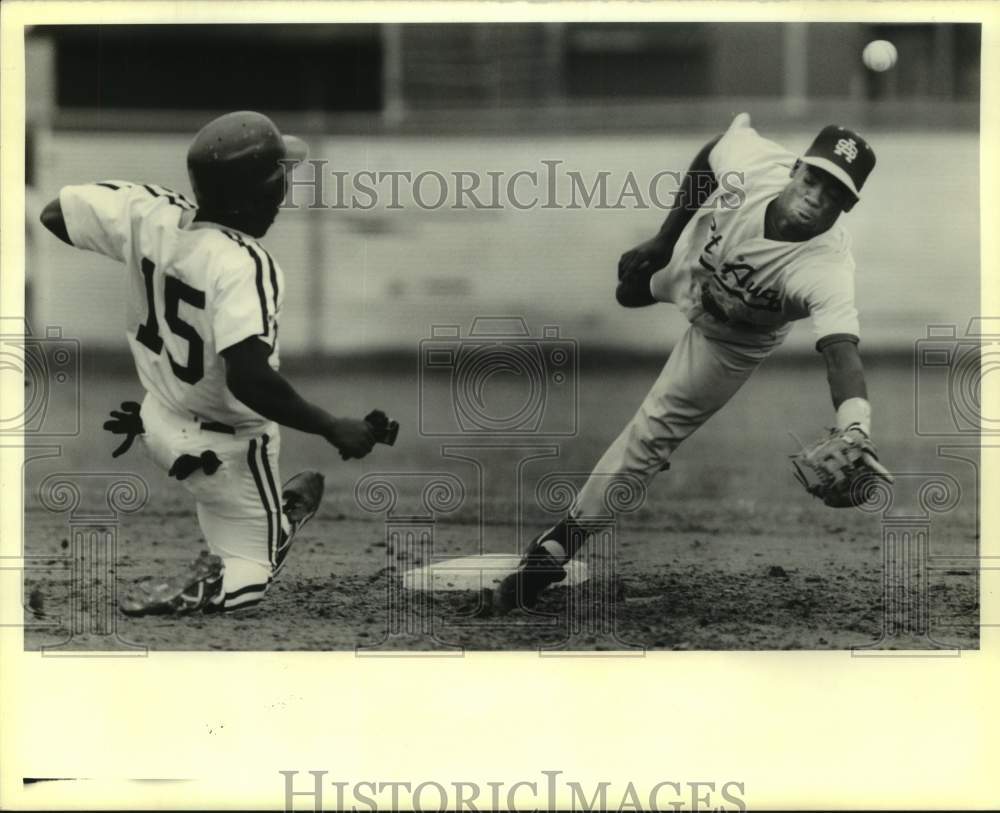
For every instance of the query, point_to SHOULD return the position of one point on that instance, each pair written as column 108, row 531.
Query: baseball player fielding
column 742, row 260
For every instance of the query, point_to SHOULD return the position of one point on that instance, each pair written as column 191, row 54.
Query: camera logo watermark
column 950, row 365
column 498, row 381
column 47, row 368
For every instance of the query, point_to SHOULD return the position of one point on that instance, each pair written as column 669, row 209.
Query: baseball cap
column 844, row 154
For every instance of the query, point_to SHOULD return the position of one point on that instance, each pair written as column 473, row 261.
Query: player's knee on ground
column 255, row 537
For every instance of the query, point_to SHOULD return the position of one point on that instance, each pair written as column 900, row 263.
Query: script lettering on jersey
column 714, row 240
column 736, row 278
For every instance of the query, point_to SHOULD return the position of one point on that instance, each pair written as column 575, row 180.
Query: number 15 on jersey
column 148, row 334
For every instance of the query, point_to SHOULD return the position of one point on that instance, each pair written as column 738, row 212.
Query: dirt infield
column 726, row 553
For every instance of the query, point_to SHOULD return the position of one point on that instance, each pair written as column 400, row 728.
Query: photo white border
column 798, row 728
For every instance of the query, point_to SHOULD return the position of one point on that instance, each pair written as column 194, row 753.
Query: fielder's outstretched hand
column 841, row 468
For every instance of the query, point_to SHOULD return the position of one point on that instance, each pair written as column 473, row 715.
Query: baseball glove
column 127, row 422
column 384, row 429
column 840, row 468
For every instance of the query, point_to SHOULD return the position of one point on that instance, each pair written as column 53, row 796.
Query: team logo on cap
column 848, row 148
column 844, row 154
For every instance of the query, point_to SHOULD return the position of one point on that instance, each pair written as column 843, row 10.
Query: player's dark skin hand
column 646, row 258
column 353, row 438
column 637, row 266
column 252, row 380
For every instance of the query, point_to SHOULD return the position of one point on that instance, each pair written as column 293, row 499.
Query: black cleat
column 536, row 571
column 302, row 495
column 199, row 586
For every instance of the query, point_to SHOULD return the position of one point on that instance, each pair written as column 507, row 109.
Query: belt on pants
column 216, row 426
column 208, row 461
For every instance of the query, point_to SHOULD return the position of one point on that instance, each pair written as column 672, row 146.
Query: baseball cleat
column 302, row 495
column 189, row 592
column 536, row 571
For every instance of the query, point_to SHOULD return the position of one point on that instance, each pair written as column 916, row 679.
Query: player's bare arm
column 844, row 372
column 261, row 388
column 637, row 265
column 837, row 468
column 52, row 219
column 252, row 380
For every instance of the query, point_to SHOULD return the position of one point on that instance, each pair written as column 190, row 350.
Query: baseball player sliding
column 203, row 303
column 742, row 262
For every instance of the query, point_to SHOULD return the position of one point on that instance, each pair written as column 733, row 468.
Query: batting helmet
column 234, row 161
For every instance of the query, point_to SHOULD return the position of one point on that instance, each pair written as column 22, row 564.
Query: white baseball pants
column 239, row 505
column 703, row 372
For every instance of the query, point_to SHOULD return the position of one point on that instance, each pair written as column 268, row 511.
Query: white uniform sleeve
column 828, row 297
column 243, row 307
column 742, row 149
column 97, row 216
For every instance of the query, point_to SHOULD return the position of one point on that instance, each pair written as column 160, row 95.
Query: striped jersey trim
column 274, row 281
column 273, row 271
column 255, row 252
column 176, row 198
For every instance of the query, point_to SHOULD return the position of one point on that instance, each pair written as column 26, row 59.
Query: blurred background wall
column 124, row 101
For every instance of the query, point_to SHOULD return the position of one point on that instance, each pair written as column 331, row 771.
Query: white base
column 477, row 572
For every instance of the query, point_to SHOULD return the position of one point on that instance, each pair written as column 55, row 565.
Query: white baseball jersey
column 194, row 289
column 759, row 285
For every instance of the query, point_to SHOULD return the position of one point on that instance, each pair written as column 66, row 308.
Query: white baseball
column 879, row 55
